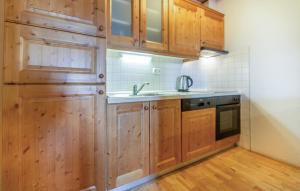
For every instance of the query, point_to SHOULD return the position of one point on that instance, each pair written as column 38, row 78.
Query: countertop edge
column 120, row 100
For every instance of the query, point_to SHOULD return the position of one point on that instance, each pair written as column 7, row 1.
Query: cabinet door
column 154, row 25
column 49, row 137
column 184, row 28
column 38, row 55
column 198, row 133
column 123, row 23
column 128, row 136
column 212, row 30
column 81, row 16
column 165, row 135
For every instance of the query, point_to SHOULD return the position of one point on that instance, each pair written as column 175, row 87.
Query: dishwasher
column 198, row 126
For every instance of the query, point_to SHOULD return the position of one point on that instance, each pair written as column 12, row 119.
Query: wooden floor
column 233, row 170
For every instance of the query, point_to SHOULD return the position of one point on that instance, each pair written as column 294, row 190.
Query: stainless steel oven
column 228, row 116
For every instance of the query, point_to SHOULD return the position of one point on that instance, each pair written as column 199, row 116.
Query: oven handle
column 228, row 106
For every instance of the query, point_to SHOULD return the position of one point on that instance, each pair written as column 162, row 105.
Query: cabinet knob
column 154, row 107
column 101, row 76
column 101, row 28
column 100, row 92
column 146, row 108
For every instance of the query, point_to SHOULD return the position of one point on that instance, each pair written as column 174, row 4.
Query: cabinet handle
column 154, row 107
column 101, row 76
column 146, row 108
column 100, row 92
column 101, row 28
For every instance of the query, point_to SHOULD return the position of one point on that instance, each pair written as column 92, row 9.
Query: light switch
column 156, row 71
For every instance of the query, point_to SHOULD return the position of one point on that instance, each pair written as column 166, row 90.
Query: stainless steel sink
column 150, row 94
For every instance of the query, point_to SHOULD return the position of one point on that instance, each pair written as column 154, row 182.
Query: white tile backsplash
column 230, row 72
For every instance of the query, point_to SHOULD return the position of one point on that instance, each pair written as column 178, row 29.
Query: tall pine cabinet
column 53, row 94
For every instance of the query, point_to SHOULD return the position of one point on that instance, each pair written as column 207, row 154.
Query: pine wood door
column 128, row 134
column 123, row 23
column 49, row 137
column 154, row 25
column 81, row 16
column 165, row 135
column 184, row 27
column 212, row 30
column 38, row 55
column 198, row 133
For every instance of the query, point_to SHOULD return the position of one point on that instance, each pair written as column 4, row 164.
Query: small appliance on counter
column 184, row 83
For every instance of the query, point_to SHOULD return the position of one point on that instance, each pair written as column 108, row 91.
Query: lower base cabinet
column 149, row 137
column 128, row 146
column 165, row 135
column 144, row 138
column 53, row 137
column 198, row 133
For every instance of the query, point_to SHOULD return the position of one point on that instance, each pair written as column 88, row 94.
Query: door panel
column 154, row 25
column 184, row 28
column 37, row 55
column 198, row 133
column 165, row 135
column 212, row 30
column 128, row 150
column 48, row 137
column 81, row 16
column 123, row 23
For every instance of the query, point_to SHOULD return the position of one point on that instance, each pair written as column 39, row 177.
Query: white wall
column 271, row 29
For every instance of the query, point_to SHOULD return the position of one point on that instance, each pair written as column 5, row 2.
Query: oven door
column 228, row 121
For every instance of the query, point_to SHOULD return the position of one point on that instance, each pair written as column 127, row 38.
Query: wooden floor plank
column 234, row 170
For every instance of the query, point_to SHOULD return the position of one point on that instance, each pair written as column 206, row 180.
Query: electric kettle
column 184, row 83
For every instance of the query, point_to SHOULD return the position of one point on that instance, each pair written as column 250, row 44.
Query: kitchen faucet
column 136, row 90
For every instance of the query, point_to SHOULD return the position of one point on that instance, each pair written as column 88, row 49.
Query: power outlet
column 156, row 71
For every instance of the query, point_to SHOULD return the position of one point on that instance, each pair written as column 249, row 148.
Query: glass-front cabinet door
column 123, row 24
column 154, row 24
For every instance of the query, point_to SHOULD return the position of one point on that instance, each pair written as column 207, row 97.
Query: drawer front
column 38, row 55
column 80, row 16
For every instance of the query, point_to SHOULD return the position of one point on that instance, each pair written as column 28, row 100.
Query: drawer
column 39, row 55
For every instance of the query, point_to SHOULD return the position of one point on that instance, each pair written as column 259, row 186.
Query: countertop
column 126, row 97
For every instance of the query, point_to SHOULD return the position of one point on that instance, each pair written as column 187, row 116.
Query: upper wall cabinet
column 212, row 29
column 81, row 16
column 39, row 55
column 123, row 23
column 184, row 28
column 138, row 24
column 154, row 24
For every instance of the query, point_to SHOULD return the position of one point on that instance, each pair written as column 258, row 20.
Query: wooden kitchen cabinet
column 165, row 134
column 80, row 16
column 39, row 55
column 53, row 137
column 154, row 20
column 212, row 29
column 123, row 23
column 198, row 133
column 138, row 24
column 128, row 149
column 184, row 27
